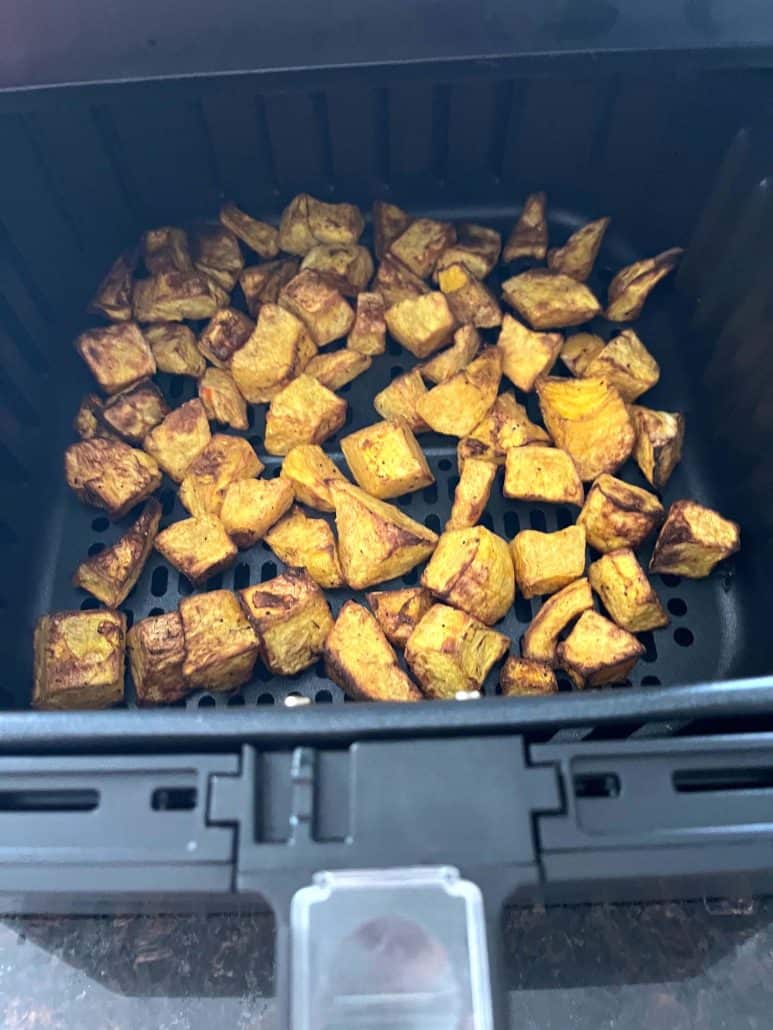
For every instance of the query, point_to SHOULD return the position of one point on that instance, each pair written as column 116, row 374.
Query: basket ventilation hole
column 522, row 609
column 206, row 701
column 432, row 521
column 683, row 636
column 650, row 650
column 407, row 501
column 100, row 524
column 537, row 520
column 184, row 588
column 650, row 681
column 487, row 521
column 444, row 465
column 155, row 611
column 453, row 482
column 265, row 699
column 241, row 576
column 215, row 582
column 429, row 493
column 167, row 501
column 267, row 571
column 671, row 581
column 323, row 697
column 564, row 518
column 393, row 347
column 677, row 606
column 159, row 581
column 411, row 577
column 272, row 472
column 88, row 604
column 512, row 523
column 129, row 618
column 174, row 799
column 96, row 548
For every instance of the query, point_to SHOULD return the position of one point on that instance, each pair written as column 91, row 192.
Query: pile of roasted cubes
column 168, row 309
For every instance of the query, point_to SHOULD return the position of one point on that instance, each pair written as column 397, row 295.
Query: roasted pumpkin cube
column 547, row 562
column 633, row 284
column 88, row 418
column 386, row 459
column 578, row 255
column 258, row 236
column 291, row 619
column 276, row 353
column 395, row 283
column 360, row 659
column 174, row 349
column 118, row 356
column 321, row 308
column 177, row 441
column 420, row 245
column 166, row 249
column 306, row 543
column 307, row 221
column 626, row 364
column 368, row 332
column 626, row 593
column 223, row 461
column 399, row 611
column 588, row 419
column 156, row 648
column 114, row 294
column 421, row 324
column 579, row 350
column 538, row 473
column 222, row 400
column 470, row 301
column 252, row 506
column 199, row 547
column 389, row 222
column 261, row 284
column 111, row 475
column 598, row 652
column 529, row 236
column 693, row 539
column 305, row 411
column 659, row 439
column 133, row 413
column 504, row 426
column 225, row 333
column 472, row 569
column 348, row 268
column 337, row 368
column 217, row 255
column 79, row 660
column 526, row 354
column 376, row 541
column 466, row 345
column 617, row 514
column 476, row 477
column 400, row 399
column 458, row 405
column 220, row 644
column 309, row 471
column 477, row 248
column 112, row 574
column 541, row 638
column 523, row 677
column 549, row 300
column 174, row 296
column 450, row 651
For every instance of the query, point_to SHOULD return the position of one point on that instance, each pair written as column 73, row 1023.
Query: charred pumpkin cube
column 88, row 418
column 277, row 352
column 177, row 441
column 305, row 411
column 626, row 593
column 523, row 677
column 547, row 562
column 223, row 461
column 112, row 574
column 261, row 284
column 156, row 648
column 111, row 475
column 258, row 236
column 226, row 332
column 550, row 300
column 114, row 295
column 633, row 284
column 252, row 506
column 175, row 296
column 617, row 514
column 579, row 350
column 306, row 543
column 504, row 426
column 400, row 399
column 420, row 245
column 476, row 477
column 540, row 473
column 398, row 612
column 541, row 638
column 389, row 222
column 471, row 302
column 578, row 255
column 395, row 283
column 166, row 249
column 447, row 363
column 386, row 459
column 174, row 348
column 477, row 247
column 307, row 221
column 217, row 255
column 529, row 236
column 118, row 356
column 348, row 268
column 693, row 539
column 526, row 355
column 198, row 547
column 338, row 368
column 659, row 440
column 135, row 412
column 626, row 364
column 79, row 660
column 598, row 652
column 472, row 570
column 421, row 324
column 321, row 308
column 220, row 644
column 368, row 332
column 309, row 471
column 459, row 404
column 222, row 400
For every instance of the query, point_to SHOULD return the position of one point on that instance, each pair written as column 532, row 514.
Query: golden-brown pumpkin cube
column 504, row 426
column 220, row 644
column 541, row 638
column 549, row 300
column 166, row 249
column 578, row 255
column 222, row 400
column 547, row 562
column 306, row 543
column 79, row 660
column 321, row 308
column 177, row 441
column 522, row 677
column 112, row 574
column 118, row 356
column 459, row 404
column 420, row 245
column 348, row 269
column 337, row 368
column 466, row 345
column 538, row 473
column 588, row 419
column 156, row 649
column 400, row 398
column 309, row 471
column 579, row 350
column 252, row 506
column 470, row 301
column 386, row 459
column 368, row 332
column 360, row 659
column 617, row 514
column 278, row 350
column 529, row 236
column 422, row 324
column 526, row 354
column 88, row 418
column 114, row 294
column 476, row 477
column 305, row 411
column 477, row 248
column 258, row 236
column 693, row 539
column 174, row 348
column 307, row 221
column 223, row 461
column 217, row 255
column 626, row 593
column 376, row 540
column 451, row 652
column 261, row 284
column 472, row 569
column 598, row 652
column 633, row 284
column 291, row 618
column 133, row 413
column 626, row 364
column 199, row 547
column 399, row 611
column 174, row 296
column 111, row 475
column 389, row 222
column 226, row 332
column 395, row 283
column 659, row 439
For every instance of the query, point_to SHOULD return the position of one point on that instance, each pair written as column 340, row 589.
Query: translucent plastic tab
column 390, row 949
